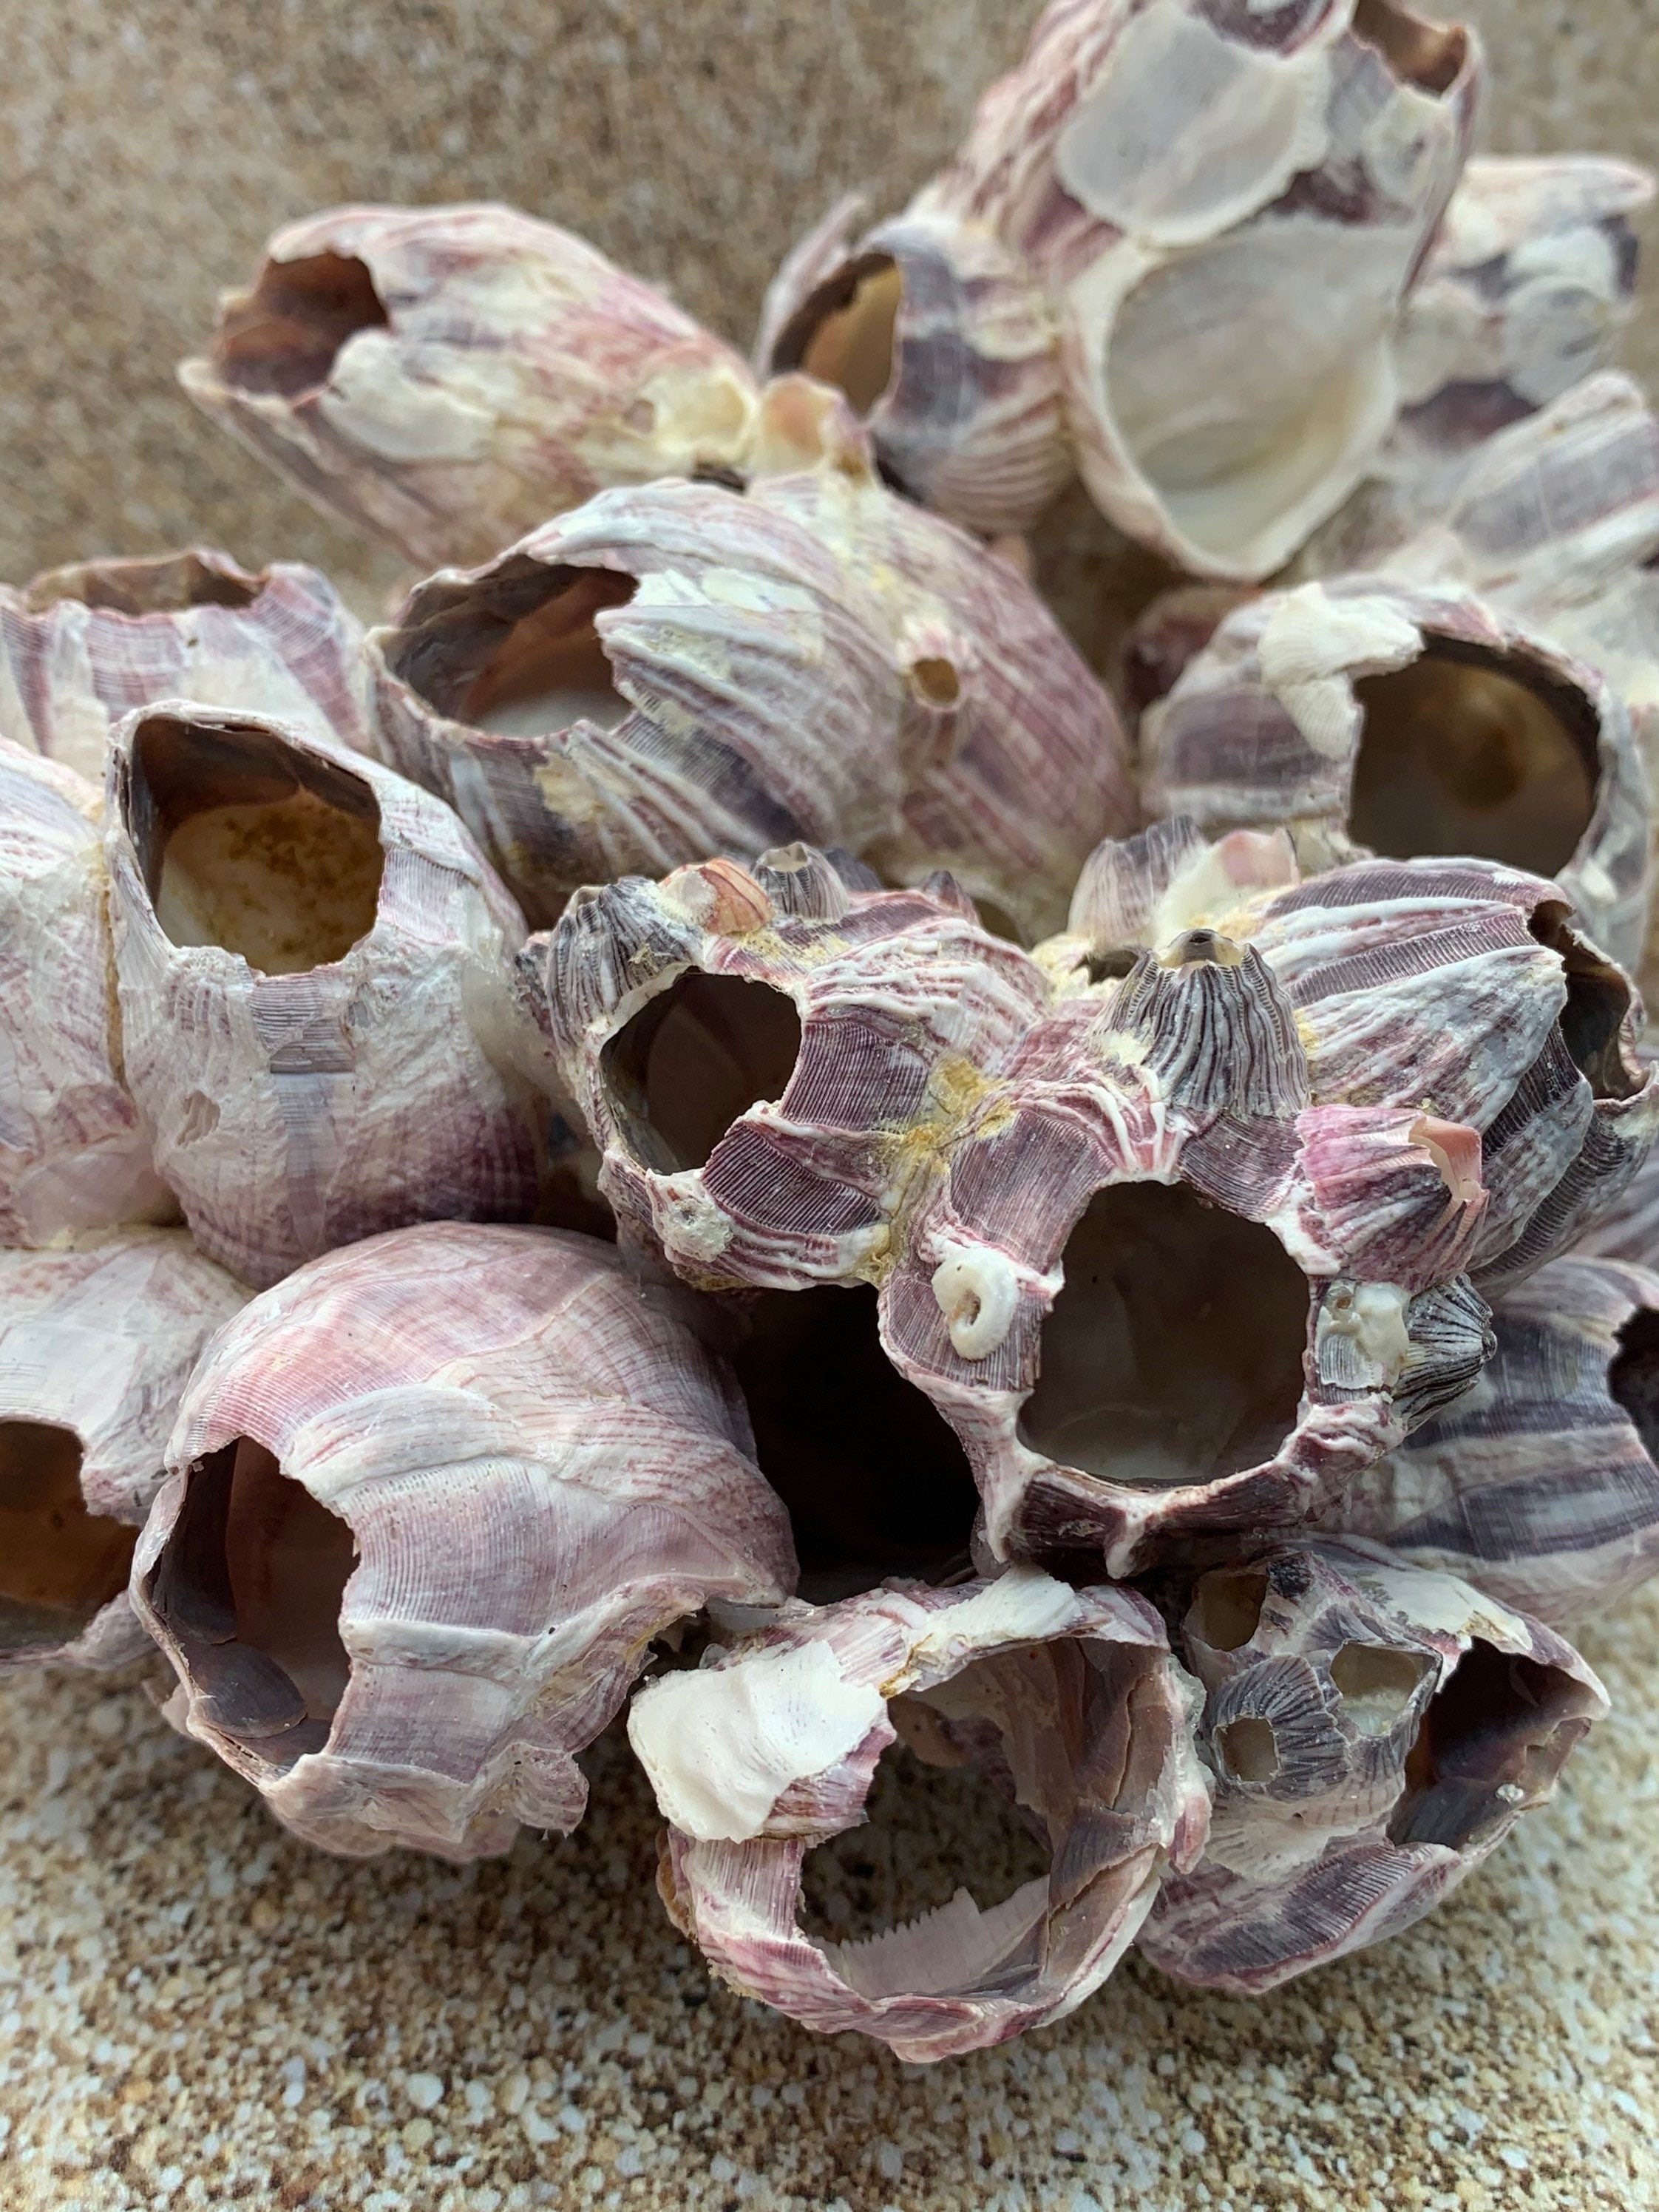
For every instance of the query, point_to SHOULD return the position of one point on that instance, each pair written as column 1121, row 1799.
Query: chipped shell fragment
column 1125, row 1222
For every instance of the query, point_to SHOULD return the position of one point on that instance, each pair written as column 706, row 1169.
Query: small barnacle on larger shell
column 1539, row 1485
column 1227, row 206
column 73, row 1155
column 1374, row 1731
column 97, row 1342
column 1066, row 1699
column 447, row 378
column 770, row 1062
column 313, row 966
column 430, row 1501
column 1367, row 716
column 80, row 647
column 669, row 673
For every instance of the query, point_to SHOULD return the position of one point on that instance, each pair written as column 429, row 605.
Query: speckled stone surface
column 195, row 2010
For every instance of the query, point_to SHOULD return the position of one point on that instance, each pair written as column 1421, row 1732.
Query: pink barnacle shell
column 430, row 1501
column 80, row 647
column 770, row 1062
column 97, row 1342
column 73, row 1154
column 1160, row 1289
column 1227, row 207
column 1539, row 1485
column 945, row 347
column 665, row 673
column 1367, row 716
column 1374, row 1731
column 313, row 966
column 1067, row 1700
column 447, row 378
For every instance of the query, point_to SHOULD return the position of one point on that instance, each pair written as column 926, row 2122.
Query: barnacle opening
column 248, row 1588
column 874, row 1479
column 250, row 844
column 1633, row 1377
column 1377, row 1684
column 1430, row 56
column 845, row 332
column 1174, row 1351
column 1492, row 1743
column 166, row 586
column 546, row 668
column 695, row 1058
column 1247, row 1748
column 60, row 1564
column 1227, row 1607
column 1466, row 750
column 1598, row 1001
column 282, row 336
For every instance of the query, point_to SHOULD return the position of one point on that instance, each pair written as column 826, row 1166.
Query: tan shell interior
column 1227, row 1607
column 1174, row 1353
column 282, row 336
column 60, row 1565
column 1493, row 1741
column 695, row 1058
column 166, row 586
column 845, row 332
column 1430, row 56
column 550, row 669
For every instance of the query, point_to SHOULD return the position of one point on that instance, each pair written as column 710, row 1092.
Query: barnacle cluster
column 706, row 1116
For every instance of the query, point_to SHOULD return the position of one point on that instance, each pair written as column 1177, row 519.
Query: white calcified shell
column 97, row 1342
column 73, row 1155
column 768, row 1062
column 1227, row 206
column 82, row 646
column 1539, row 1485
column 430, row 1501
column 1374, row 1731
column 312, row 962
column 1366, row 715
column 771, row 1747
column 447, row 378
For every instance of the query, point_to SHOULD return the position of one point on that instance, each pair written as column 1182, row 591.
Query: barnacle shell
column 97, row 1342
column 314, row 965
column 430, row 1500
column 1364, row 715
column 1538, row 1485
column 768, row 1062
column 447, row 378
column 1015, row 761
column 946, row 348
column 1227, row 206
column 80, row 647
column 1374, row 1731
column 1067, row 1699
column 669, row 673
column 1166, row 1286
column 73, row 1155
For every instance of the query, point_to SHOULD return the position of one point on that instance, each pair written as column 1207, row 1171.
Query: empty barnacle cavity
column 977, row 1293
column 1248, row 1749
column 1430, row 56
column 1469, row 750
column 1634, row 1375
column 874, row 1479
column 935, row 680
column 550, row 669
column 1598, row 1001
column 1492, row 1743
column 1174, row 1353
column 1377, row 1684
column 248, row 1588
column 844, row 333
column 59, row 1564
column 282, row 336
column 695, row 1058
column 168, row 585
column 1227, row 1607
column 253, row 845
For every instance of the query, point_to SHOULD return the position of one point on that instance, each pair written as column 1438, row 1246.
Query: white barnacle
column 977, row 1290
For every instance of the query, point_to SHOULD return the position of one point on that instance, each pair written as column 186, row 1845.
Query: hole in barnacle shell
column 1430, row 56
column 693, row 1058
column 844, row 332
column 1465, row 751
column 935, row 682
column 1598, row 1000
column 1633, row 1377
column 250, row 844
column 1227, row 1607
column 1493, row 1739
column 1376, row 1685
column 59, row 1564
column 1248, row 1749
column 874, row 1479
column 997, row 922
column 1174, row 1351
column 550, row 669
column 283, row 336
column 1111, row 967
column 168, row 585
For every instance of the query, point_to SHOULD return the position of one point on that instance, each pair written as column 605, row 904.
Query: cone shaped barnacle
column 98, row 1339
column 1374, row 1730
column 431, row 1499
column 1069, row 1702
column 447, row 378
column 82, row 646
column 313, row 962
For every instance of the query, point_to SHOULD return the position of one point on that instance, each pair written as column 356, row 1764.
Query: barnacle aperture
column 526, row 658
column 284, row 336
column 693, row 1058
column 844, row 333
column 60, row 1563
